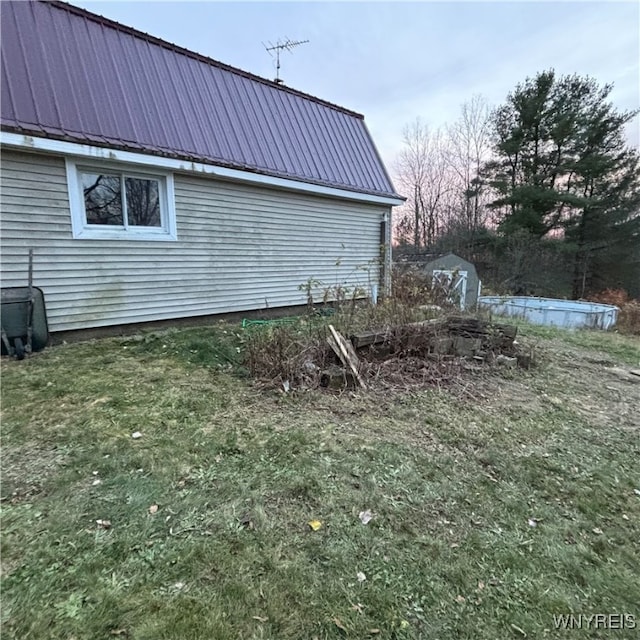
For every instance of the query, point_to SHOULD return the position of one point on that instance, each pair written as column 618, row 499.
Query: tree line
column 542, row 192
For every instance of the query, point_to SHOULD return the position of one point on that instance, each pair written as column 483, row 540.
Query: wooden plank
column 336, row 349
column 366, row 338
column 350, row 350
column 348, row 357
column 379, row 336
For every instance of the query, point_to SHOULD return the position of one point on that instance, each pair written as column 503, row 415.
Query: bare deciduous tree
column 470, row 147
column 423, row 175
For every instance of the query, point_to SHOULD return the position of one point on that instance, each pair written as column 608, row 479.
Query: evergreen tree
column 562, row 166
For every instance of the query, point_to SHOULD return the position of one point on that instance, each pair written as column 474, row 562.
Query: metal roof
column 76, row 76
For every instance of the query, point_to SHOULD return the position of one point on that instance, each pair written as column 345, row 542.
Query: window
column 120, row 203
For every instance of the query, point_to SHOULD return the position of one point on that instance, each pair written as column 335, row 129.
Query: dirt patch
column 26, row 470
column 494, row 393
column 564, row 377
column 593, row 386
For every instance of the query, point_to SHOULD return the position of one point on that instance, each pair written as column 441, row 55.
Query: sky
column 396, row 61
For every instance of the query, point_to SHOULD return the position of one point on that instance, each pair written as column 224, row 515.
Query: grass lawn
column 495, row 506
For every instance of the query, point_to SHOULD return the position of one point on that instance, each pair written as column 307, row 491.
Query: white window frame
column 167, row 231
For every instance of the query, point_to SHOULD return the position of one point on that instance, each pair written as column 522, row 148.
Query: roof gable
column 72, row 75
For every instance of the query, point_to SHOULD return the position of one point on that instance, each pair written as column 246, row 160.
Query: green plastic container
column 22, row 306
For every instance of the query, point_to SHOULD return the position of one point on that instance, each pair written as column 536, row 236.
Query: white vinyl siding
column 239, row 248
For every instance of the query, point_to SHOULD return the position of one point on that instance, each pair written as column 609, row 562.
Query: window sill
column 136, row 236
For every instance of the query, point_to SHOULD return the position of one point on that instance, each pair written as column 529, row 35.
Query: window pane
column 143, row 202
column 102, row 199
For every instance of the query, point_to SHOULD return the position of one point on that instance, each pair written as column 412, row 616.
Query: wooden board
column 344, row 351
column 380, row 336
column 366, row 338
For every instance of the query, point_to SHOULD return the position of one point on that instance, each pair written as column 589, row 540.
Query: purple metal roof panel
column 80, row 77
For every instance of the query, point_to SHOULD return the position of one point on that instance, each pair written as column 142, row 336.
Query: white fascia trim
column 32, row 143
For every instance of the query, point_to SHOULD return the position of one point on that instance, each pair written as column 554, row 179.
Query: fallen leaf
column 96, row 482
column 118, row 632
column 286, row 386
column 153, row 509
column 373, row 632
column 314, row 524
column 339, row 624
column 105, row 524
column 637, row 492
column 260, row 618
column 136, row 434
column 361, row 577
column 179, row 586
column 532, row 522
column 100, row 401
column 460, row 599
column 625, row 516
column 365, row 516
column 454, row 545
column 481, row 585
column 598, row 531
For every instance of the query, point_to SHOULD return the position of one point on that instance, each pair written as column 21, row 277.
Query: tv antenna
column 282, row 45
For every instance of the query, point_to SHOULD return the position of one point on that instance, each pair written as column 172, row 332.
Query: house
column 154, row 183
column 458, row 277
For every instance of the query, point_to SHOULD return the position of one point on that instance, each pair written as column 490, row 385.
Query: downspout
column 385, row 254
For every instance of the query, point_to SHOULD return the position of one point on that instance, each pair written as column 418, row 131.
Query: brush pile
column 416, row 354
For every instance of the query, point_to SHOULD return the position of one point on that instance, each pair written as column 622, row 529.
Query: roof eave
column 30, row 140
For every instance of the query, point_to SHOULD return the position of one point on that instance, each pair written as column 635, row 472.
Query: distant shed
column 460, row 275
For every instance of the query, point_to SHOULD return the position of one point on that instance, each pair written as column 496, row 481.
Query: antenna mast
column 284, row 45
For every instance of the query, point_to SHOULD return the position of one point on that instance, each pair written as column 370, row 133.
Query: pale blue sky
column 394, row 61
